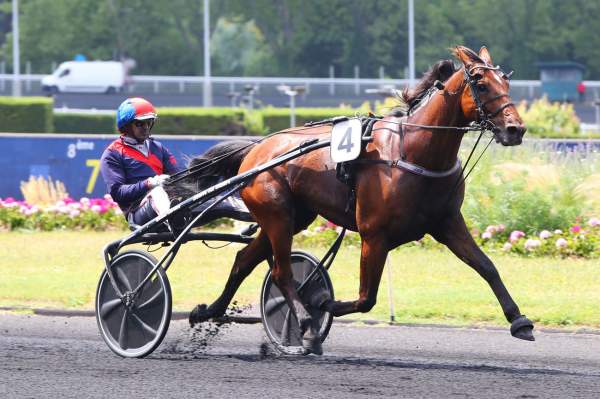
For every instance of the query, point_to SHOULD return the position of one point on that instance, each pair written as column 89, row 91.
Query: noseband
column 485, row 117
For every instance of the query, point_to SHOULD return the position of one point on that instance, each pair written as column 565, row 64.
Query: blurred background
column 235, row 52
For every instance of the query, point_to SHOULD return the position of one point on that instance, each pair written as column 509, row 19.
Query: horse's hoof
column 199, row 314
column 522, row 328
column 311, row 343
column 321, row 300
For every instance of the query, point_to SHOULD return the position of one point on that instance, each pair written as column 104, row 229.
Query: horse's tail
column 223, row 159
column 219, row 162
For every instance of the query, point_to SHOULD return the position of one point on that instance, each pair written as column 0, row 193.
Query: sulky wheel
column 279, row 322
column 136, row 326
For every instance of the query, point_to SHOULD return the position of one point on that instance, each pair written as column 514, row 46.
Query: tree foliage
column 302, row 37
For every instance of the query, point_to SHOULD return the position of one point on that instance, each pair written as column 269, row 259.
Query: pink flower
column 545, row 234
column 532, row 244
column 561, row 243
column 507, row 246
column 330, row 225
column 96, row 208
column 593, row 222
column 501, row 228
column 575, row 229
column 74, row 213
column 486, row 235
column 63, row 209
column 491, row 230
column 515, row 235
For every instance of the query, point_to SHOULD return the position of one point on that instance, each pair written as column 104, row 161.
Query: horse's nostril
column 516, row 129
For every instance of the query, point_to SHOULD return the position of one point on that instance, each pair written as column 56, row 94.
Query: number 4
column 346, row 143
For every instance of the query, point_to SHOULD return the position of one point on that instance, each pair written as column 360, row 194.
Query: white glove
column 156, row 181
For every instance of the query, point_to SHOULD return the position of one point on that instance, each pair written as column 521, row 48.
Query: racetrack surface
column 44, row 356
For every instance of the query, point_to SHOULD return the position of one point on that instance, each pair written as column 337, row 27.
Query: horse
column 393, row 203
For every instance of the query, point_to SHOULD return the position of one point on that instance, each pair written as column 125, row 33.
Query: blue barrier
column 74, row 159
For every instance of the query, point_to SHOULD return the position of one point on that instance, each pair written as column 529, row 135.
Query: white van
column 85, row 77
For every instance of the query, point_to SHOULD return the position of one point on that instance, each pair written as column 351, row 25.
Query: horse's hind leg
column 246, row 260
column 455, row 235
column 280, row 234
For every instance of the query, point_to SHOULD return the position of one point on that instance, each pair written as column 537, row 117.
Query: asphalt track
column 64, row 357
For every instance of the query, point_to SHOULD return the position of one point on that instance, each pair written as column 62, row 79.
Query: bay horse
column 394, row 202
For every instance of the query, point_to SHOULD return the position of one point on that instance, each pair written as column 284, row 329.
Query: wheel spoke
column 108, row 307
column 306, row 269
column 150, row 302
column 123, row 331
column 285, row 329
column 273, row 304
column 144, row 326
column 123, row 278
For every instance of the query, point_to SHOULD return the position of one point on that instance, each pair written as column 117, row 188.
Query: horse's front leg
column 372, row 260
column 455, row 235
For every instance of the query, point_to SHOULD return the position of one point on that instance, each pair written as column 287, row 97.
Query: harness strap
column 411, row 167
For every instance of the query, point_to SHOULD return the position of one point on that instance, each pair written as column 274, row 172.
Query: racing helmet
column 135, row 108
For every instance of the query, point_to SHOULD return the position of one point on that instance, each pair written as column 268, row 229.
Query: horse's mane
column 442, row 70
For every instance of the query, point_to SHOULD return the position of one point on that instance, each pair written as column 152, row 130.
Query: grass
column 61, row 269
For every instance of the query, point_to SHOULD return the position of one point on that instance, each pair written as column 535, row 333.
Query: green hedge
column 200, row 121
column 275, row 119
column 26, row 114
column 84, row 123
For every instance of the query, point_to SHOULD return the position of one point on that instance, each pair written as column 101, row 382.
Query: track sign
column 346, row 140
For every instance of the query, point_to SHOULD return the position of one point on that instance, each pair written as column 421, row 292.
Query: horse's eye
column 482, row 88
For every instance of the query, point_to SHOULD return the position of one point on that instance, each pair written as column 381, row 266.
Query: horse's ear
column 484, row 54
column 446, row 70
column 467, row 56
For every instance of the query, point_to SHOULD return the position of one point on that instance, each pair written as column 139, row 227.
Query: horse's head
column 486, row 99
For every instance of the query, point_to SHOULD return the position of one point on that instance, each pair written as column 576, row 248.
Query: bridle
column 485, row 117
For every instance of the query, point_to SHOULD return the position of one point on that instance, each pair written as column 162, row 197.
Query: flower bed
column 85, row 214
column 581, row 239
column 578, row 240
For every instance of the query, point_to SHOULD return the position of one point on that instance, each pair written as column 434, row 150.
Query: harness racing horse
column 408, row 183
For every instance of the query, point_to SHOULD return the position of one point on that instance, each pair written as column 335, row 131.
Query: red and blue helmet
column 135, row 108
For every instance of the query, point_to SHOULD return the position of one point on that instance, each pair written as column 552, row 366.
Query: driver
column 135, row 166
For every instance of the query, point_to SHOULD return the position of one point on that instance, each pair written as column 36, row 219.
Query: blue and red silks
column 125, row 170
